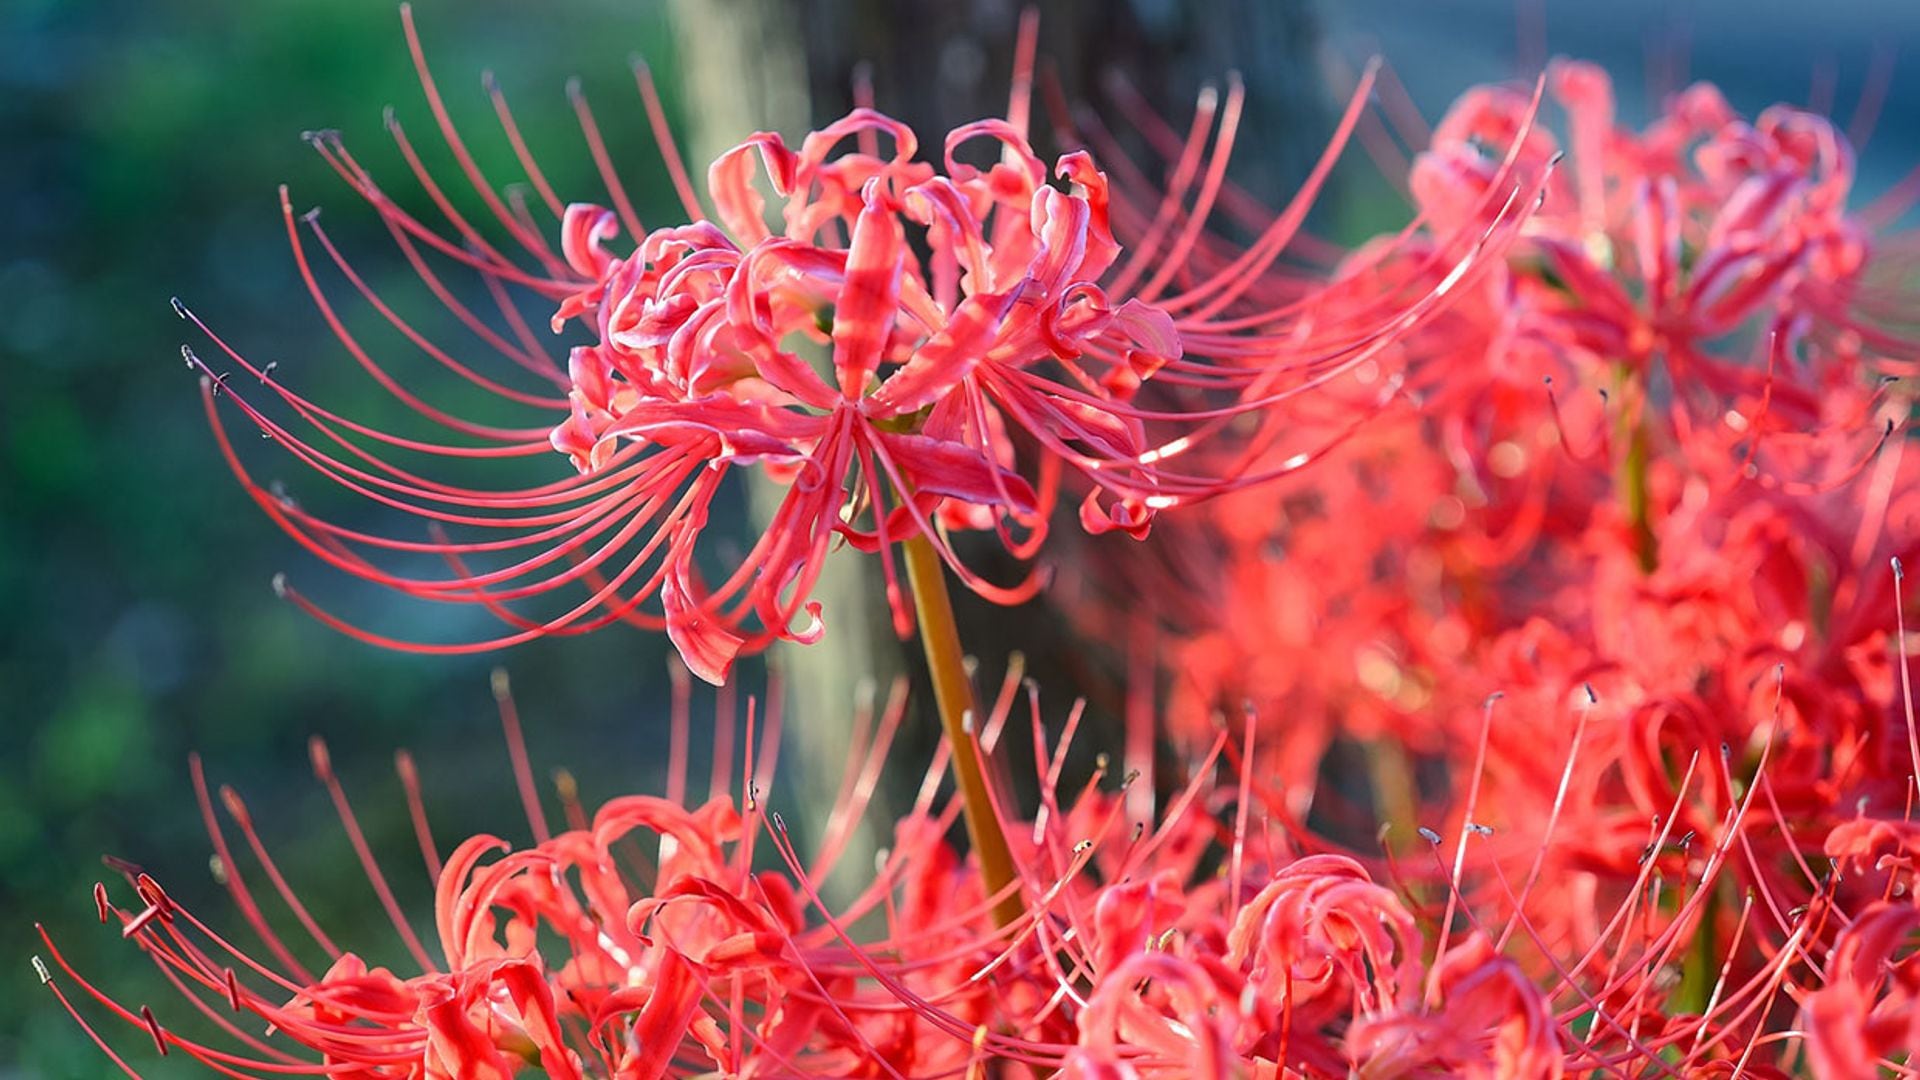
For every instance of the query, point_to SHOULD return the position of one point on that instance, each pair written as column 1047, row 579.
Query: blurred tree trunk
column 744, row 70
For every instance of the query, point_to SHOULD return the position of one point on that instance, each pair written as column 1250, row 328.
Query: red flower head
column 1492, row 1024
column 700, row 351
column 1721, row 253
column 915, row 349
column 1869, row 1009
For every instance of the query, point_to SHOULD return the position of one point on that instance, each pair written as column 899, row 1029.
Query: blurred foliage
column 145, row 142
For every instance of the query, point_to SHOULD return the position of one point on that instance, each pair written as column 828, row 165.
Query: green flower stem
column 953, row 693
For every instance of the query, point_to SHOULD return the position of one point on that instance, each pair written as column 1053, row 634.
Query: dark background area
column 144, row 143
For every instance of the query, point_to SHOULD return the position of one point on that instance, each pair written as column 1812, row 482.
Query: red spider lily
column 1660, row 242
column 1214, row 938
column 588, row 954
column 985, row 330
column 1869, row 1010
column 1494, row 1023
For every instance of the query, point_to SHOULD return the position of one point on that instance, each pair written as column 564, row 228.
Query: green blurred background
column 143, row 145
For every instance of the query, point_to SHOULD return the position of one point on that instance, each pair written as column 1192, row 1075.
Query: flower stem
column 953, row 693
column 1632, row 476
column 1700, row 968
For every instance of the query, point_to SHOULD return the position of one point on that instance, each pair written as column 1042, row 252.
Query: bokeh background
column 143, row 144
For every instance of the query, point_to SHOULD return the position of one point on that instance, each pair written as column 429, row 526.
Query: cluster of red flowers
column 1654, row 499
column 1598, row 567
column 1211, row 939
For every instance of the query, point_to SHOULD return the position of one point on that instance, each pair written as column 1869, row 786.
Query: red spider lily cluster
column 917, row 350
column 1655, row 500
column 1598, row 568
column 1211, row 938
